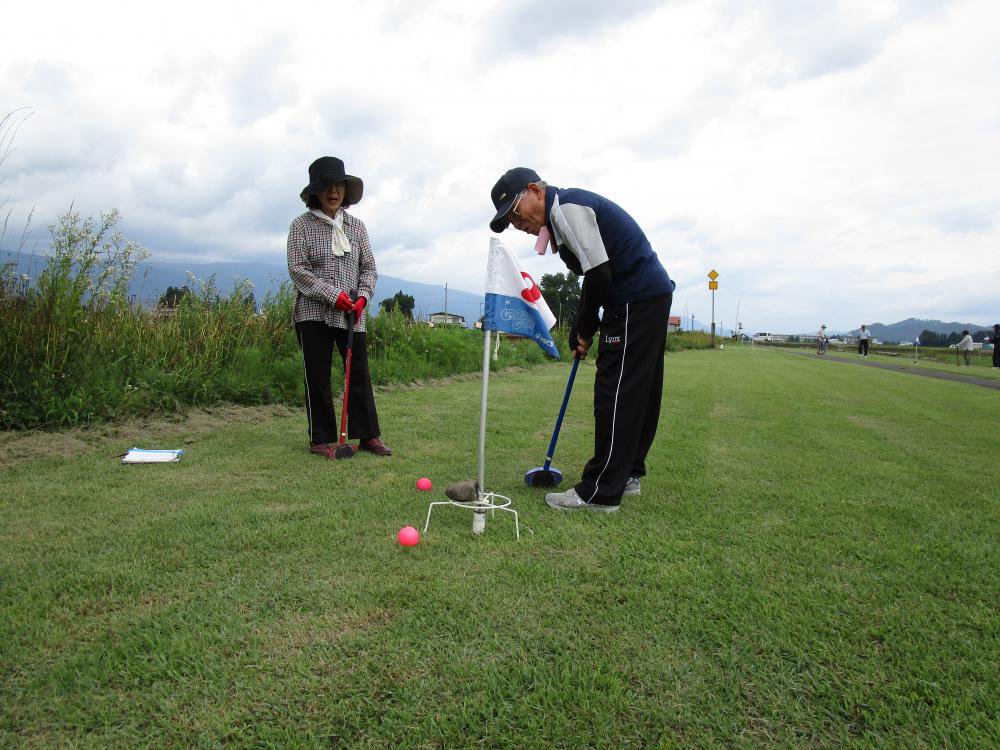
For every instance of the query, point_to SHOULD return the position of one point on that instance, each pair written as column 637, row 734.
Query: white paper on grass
column 143, row 456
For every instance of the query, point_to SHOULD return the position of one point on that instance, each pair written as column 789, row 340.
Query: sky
column 835, row 162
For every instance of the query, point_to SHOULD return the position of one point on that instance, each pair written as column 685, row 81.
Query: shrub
column 690, row 340
column 75, row 349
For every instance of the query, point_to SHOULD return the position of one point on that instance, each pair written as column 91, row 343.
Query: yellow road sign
column 713, row 274
column 713, row 285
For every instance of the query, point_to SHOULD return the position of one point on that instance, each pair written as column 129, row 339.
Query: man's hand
column 343, row 302
column 582, row 345
column 359, row 305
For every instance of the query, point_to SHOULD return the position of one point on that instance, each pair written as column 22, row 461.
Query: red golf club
column 343, row 449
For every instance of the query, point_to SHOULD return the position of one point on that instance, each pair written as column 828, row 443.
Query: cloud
column 831, row 160
column 966, row 219
column 526, row 27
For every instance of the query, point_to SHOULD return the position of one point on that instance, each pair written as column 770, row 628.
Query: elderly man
column 595, row 238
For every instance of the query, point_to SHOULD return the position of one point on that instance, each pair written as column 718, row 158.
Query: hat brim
column 500, row 221
column 355, row 188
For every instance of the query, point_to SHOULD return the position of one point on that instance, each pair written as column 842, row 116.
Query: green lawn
column 981, row 366
column 812, row 562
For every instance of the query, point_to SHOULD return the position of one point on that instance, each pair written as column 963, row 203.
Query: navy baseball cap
column 505, row 192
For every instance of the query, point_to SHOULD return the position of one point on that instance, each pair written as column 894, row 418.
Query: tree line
column 932, row 338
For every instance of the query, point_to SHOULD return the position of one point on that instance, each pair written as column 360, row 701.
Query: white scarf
column 340, row 244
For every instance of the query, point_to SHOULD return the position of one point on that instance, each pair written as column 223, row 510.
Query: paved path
column 913, row 370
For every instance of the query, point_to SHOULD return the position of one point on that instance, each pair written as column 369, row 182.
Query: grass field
column 812, row 562
column 981, row 367
column 940, row 360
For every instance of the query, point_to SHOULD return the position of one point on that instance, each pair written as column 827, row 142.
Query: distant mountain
column 705, row 327
column 152, row 279
column 909, row 329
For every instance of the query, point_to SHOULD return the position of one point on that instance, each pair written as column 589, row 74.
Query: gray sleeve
column 301, row 271
column 578, row 228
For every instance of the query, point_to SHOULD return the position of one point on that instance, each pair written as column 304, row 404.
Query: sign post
column 713, row 285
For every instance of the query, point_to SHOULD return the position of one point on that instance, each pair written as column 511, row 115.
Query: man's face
column 528, row 211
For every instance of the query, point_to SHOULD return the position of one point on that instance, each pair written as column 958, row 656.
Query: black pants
column 996, row 355
column 863, row 347
column 316, row 340
column 627, row 394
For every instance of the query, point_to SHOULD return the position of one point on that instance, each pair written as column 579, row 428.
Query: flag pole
column 479, row 516
column 513, row 304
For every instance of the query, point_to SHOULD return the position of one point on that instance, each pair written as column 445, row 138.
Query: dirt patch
column 866, row 422
column 302, row 630
column 460, row 378
column 182, row 429
column 721, row 411
column 282, row 509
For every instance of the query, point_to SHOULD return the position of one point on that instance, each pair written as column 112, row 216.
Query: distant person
column 995, row 340
column 863, row 339
column 821, row 341
column 597, row 239
column 965, row 346
column 329, row 258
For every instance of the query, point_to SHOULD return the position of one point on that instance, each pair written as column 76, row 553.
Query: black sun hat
column 505, row 192
column 327, row 171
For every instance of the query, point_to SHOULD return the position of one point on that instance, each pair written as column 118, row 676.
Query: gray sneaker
column 569, row 500
column 632, row 486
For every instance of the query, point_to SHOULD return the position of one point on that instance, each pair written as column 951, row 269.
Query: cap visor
column 499, row 224
column 500, row 221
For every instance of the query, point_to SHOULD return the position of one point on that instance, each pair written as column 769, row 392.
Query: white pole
column 479, row 517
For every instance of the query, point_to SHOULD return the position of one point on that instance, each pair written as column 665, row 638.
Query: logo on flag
column 514, row 303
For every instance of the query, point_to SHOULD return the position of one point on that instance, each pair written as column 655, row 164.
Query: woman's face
column 332, row 198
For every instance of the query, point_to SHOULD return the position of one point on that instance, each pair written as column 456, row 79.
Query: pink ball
column 424, row 484
column 408, row 536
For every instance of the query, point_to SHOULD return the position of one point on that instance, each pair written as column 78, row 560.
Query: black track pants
column 627, row 394
column 317, row 340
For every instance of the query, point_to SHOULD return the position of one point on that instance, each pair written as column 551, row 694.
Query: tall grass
column 691, row 340
column 75, row 349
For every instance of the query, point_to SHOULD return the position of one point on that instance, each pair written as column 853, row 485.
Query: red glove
column 343, row 302
column 359, row 305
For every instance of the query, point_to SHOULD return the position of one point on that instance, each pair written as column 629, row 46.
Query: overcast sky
column 836, row 162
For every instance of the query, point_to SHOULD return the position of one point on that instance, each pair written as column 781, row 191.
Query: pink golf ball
column 408, row 536
column 424, row 484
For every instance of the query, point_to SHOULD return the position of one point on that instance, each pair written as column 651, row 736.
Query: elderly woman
column 965, row 346
column 331, row 264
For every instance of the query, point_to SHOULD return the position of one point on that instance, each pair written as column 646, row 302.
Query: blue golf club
column 546, row 476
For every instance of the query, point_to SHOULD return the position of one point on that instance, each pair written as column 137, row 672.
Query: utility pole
column 713, row 285
column 446, row 302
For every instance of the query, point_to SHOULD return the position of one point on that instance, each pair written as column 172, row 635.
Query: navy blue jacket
column 597, row 239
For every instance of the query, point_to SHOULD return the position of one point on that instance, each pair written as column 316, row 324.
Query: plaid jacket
column 319, row 276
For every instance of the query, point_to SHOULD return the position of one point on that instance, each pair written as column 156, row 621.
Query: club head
column 542, row 477
column 345, row 451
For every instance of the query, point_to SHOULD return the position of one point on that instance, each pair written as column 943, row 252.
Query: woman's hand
column 343, row 302
column 359, row 305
